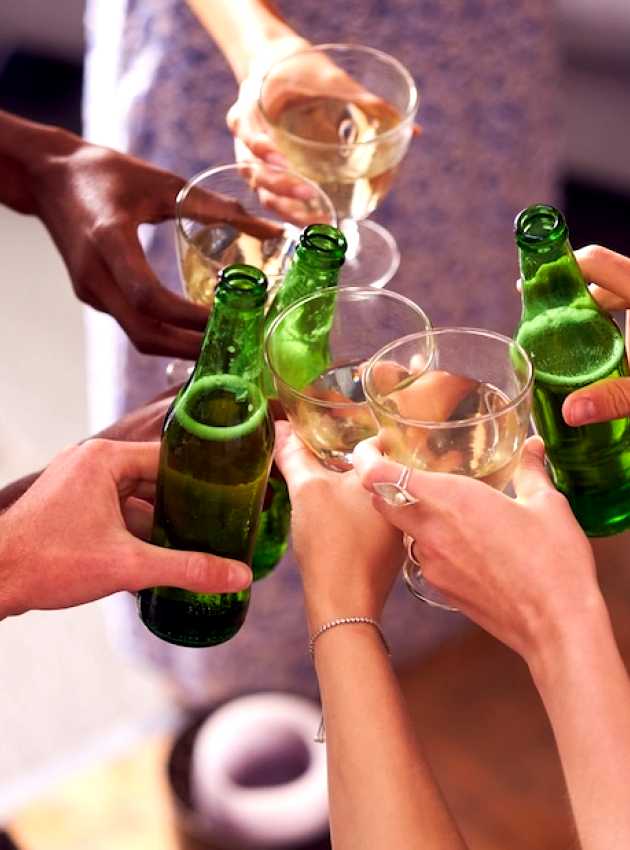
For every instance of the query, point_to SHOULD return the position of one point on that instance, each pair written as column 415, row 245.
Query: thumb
column 599, row 402
column 150, row 566
column 531, row 476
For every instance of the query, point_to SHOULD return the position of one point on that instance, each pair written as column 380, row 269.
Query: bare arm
column 584, row 686
column 382, row 793
column 242, row 29
column 532, row 583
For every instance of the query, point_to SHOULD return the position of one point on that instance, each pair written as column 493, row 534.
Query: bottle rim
column 242, row 280
column 325, row 242
column 540, row 226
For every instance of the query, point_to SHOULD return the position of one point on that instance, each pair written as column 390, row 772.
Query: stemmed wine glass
column 343, row 116
column 451, row 400
column 253, row 194
column 316, row 351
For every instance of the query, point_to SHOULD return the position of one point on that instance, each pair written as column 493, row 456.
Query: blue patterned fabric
column 157, row 86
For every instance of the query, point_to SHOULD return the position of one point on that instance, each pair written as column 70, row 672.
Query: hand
column 68, row 540
column 92, row 200
column 348, row 555
column 522, row 569
column 610, row 398
column 313, row 75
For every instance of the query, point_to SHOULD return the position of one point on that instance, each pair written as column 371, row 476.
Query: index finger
column 606, row 268
column 212, row 207
column 128, row 462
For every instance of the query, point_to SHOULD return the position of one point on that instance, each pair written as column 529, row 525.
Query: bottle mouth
column 241, row 279
column 326, row 241
column 540, row 226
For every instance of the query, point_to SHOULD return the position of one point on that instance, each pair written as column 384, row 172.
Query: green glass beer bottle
column 318, row 258
column 572, row 343
column 216, row 452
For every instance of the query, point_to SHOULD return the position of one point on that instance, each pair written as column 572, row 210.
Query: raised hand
column 92, row 201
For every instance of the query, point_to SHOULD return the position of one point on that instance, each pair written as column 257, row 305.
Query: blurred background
column 57, row 666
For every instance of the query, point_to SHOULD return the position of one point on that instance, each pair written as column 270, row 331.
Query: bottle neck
column 233, row 343
column 551, row 278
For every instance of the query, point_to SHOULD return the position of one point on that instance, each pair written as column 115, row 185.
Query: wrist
column 10, row 603
column 571, row 642
column 26, row 149
column 264, row 50
column 324, row 607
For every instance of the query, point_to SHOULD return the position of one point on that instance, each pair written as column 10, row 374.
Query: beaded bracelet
column 345, row 621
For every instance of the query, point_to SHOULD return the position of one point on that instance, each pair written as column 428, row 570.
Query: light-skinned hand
column 68, row 539
column 610, row 398
column 520, row 567
column 348, row 554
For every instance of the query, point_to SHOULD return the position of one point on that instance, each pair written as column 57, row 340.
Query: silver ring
column 396, row 495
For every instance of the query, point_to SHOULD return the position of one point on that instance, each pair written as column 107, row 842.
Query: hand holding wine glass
column 332, row 514
column 451, row 400
column 341, row 115
column 515, row 566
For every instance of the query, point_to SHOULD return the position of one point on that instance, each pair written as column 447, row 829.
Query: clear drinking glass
column 316, row 351
column 343, row 116
column 204, row 247
column 451, row 400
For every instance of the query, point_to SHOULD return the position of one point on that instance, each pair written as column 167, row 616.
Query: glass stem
column 350, row 229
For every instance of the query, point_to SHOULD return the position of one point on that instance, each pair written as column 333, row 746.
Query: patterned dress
column 158, row 87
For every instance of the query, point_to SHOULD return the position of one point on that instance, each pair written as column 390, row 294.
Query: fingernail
column 276, row 159
column 240, row 575
column 581, row 411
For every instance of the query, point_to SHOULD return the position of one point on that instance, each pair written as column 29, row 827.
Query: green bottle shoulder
column 573, row 345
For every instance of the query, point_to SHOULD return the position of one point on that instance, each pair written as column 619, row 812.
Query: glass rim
column 410, row 112
column 211, row 170
column 455, row 423
column 350, row 290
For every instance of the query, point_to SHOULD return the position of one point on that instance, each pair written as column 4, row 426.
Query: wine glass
column 451, row 400
column 343, row 116
column 316, row 351
column 205, row 246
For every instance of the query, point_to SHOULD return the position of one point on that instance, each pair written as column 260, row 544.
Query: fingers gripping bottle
column 216, row 453
column 572, row 343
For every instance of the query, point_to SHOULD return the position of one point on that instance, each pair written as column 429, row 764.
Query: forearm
column 382, row 793
column 584, row 686
column 24, row 145
column 242, row 29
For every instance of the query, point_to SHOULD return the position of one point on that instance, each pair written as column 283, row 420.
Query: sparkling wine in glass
column 252, row 190
column 453, row 400
column 317, row 350
column 343, row 116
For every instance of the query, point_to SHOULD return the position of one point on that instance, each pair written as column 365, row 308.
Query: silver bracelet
column 345, row 621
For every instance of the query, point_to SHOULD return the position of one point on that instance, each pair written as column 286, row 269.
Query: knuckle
column 94, row 452
column 616, row 399
column 197, row 570
column 593, row 254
